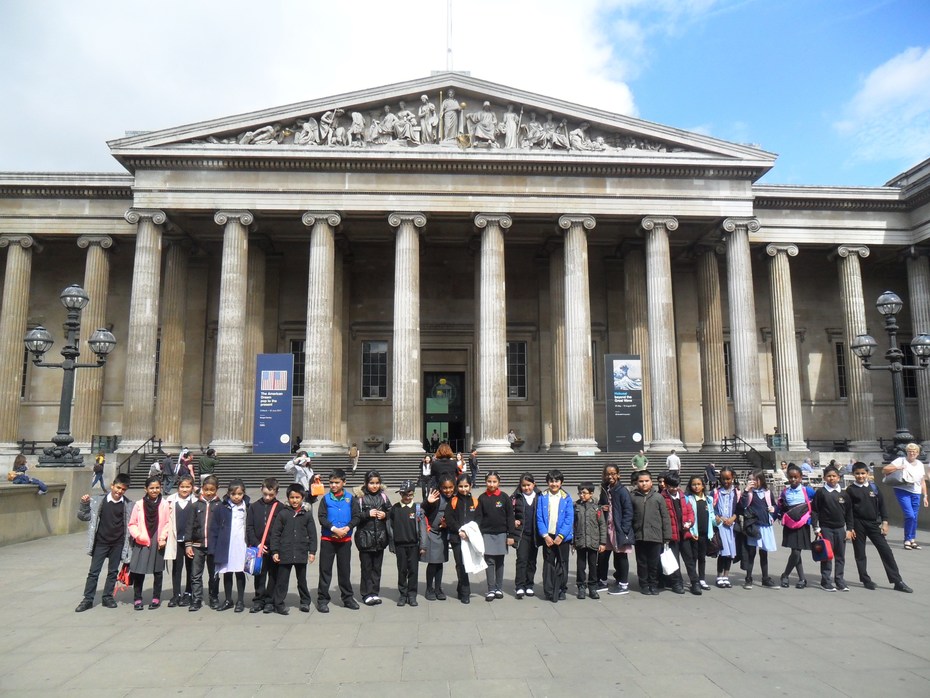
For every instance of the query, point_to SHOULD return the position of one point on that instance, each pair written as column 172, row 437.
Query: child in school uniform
column 831, row 515
column 681, row 517
column 757, row 503
column 461, row 510
column 406, row 526
column 197, row 545
column 181, row 505
column 292, row 544
column 794, row 506
column 437, row 539
column 615, row 502
column 494, row 516
column 725, row 498
column 148, row 526
column 652, row 527
column 527, row 539
column 336, row 523
column 261, row 513
column 870, row 522
column 555, row 520
column 694, row 547
column 228, row 543
column 371, row 535
column 589, row 537
column 108, row 539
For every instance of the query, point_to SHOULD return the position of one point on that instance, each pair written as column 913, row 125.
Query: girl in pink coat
column 148, row 527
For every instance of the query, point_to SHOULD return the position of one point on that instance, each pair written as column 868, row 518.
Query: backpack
column 799, row 515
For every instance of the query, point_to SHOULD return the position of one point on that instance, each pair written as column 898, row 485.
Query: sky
column 839, row 89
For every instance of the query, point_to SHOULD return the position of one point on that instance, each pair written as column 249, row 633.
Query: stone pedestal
column 710, row 341
column 13, row 315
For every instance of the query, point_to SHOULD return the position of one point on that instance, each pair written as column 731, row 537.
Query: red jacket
column 687, row 516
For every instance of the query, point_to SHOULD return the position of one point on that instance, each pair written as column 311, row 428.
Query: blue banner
column 274, row 402
column 624, row 389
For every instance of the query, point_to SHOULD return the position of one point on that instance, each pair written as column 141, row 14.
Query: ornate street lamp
column 38, row 341
column 889, row 305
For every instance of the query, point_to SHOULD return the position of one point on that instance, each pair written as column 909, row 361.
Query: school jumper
column 336, row 512
column 652, row 527
column 555, row 516
column 589, row 534
column 265, row 581
column 832, row 518
column 293, row 539
column 494, row 516
column 406, row 526
column 107, row 539
column 460, row 511
column 437, row 545
column 868, row 514
column 795, row 539
column 371, row 538
column 694, row 548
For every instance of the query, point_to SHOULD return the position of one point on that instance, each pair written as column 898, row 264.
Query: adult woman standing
column 908, row 476
column 444, row 464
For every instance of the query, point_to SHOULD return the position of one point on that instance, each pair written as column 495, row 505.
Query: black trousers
column 555, row 569
column 342, row 554
column 621, row 566
column 370, row 562
column 836, row 566
column 586, row 567
column 464, row 584
column 872, row 531
column 181, row 563
column 408, row 569
column 694, row 554
column 112, row 554
column 647, row 563
column 266, row 581
column 201, row 558
column 527, row 554
column 284, row 579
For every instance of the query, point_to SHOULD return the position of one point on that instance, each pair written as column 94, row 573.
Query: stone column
column 229, row 400
column 710, row 340
column 918, row 283
column 254, row 335
column 139, row 388
column 557, row 313
column 492, row 351
column 578, row 370
column 407, row 378
column 858, row 379
column 339, row 435
column 744, row 354
column 318, row 368
column 785, row 347
column 663, row 364
column 13, row 316
column 637, row 323
column 170, row 400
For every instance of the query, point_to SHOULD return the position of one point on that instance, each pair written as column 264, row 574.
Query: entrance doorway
column 444, row 402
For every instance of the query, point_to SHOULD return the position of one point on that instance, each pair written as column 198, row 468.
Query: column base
column 10, row 448
column 580, row 445
column 866, row 446
column 667, row 445
column 797, row 446
column 321, row 446
column 405, row 446
column 493, row 446
column 228, row 446
column 712, row 447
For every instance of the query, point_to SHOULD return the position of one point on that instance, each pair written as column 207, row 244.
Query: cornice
column 66, row 185
column 818, row 198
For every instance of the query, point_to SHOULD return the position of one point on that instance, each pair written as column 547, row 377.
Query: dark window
column 839, row 350
column 516, row 370
column 910, row 377
column 300, row 361
column 727, row 369
column 157, row 363
column 22, row 387
column 374, row 370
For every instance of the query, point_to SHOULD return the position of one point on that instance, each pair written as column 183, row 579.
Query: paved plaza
column 727, row 642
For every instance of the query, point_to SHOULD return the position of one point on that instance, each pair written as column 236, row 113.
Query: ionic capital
column 710, row 247
column 501, row 220
column 914, row 252
column 223, row 217
column 398, row 217
column 775, row 248
column 102, row 241
column 157, row 216
column 651, row 222
column 845, row 251
column 24, row 241
column 331, row 218
column 749, row 225
column 571, row 220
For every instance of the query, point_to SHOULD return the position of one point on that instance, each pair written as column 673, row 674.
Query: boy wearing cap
column 590, row 538
column 406, row 527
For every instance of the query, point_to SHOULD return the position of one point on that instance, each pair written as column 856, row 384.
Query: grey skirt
column 437, row 547
column 147, row 559
column 495, row 543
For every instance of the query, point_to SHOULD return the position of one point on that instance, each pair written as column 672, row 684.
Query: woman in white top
column 299, row 467
column 909, row 478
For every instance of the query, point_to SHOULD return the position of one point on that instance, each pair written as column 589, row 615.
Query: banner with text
column 274, row 402
column 623, row 376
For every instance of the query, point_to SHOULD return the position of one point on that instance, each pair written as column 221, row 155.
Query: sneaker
column 602, row 585
column 498, row 594
column 137, row 605
column 769, row 583
column 592, row 594
column 704, row 585
column 489, row 596
column 784, row 582
column 581, row 593
column 747, row 584
column 802, row 584
column 368, row 601
column 530, row 592
column 156, row 603
column 827, row 586
column 842, row 587
column 619, row 589
column 185, row 600
column 520, row 593
column 561, row 596
column 375, row 600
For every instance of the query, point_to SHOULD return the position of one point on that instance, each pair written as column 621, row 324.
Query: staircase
column 252, row 469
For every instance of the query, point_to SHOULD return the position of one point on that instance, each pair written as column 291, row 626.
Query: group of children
column 662, row 526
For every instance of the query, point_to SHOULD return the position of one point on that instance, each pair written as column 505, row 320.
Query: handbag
column 714, row 544
column 821, row 550
column 798, row 515
column 317, row 488
column 751, row 525
column 669, row 563
column 123, row 579
column 253, row 554
column 897, row 478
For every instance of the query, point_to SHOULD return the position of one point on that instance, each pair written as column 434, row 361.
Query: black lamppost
column 889, row 305
column 38, row 341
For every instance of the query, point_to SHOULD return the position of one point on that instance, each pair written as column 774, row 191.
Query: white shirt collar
column 829, row 488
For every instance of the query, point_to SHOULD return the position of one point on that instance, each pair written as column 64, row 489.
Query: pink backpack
column 799, row 515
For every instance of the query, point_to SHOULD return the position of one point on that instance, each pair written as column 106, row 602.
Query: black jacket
column 460, row 511
column 371, row 534
column 257, row 518
column 293, row 536
column 196, row 536
column 621, row 509
column 526, row 515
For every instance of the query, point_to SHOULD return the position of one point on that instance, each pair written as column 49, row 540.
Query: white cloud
column 889, row 117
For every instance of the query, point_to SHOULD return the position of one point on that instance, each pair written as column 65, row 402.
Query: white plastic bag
column 669, row 563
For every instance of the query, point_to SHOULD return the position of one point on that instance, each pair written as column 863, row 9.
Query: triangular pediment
column 443, row 114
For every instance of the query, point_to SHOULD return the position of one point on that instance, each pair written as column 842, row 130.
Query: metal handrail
column 758, row 459
column 150, row 445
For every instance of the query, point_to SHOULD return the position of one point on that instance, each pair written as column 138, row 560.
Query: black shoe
column 870, row 585
column 430, row 594
column 412, row 601
column 402, row 601
column 226, row 606
column 826, row 586
column 257, row 607
column 194, row 607
column 800, row 585
column 561, row 596
column 109, row 602
column 305, row 608
column 174, row 601
column 645, row 591
column 581, row 594
column 322, row 607
column 696, row 589
column 784, row 582
column 653, row 591
column 592, row 594
column 185, row 600
column 156, row 603
column 283, row 611
column 138, row 605
column 214, row 602
column 351, row 604
column 842, row 587
column 269, row 608
column 240, row 607
column 440, row 595
column 769, row 583
column 678, row 589
column 84, row 605
column 901, row 586
column 464, row 598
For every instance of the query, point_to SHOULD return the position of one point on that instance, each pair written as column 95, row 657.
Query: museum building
column 453, row 254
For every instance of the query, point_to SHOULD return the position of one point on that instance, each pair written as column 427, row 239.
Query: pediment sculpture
column 444, row 123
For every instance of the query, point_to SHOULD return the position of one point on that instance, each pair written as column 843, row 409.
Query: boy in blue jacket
column 555, row 519
column 336, row 524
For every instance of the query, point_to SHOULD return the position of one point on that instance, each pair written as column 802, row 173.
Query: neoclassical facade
column 449, row 253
